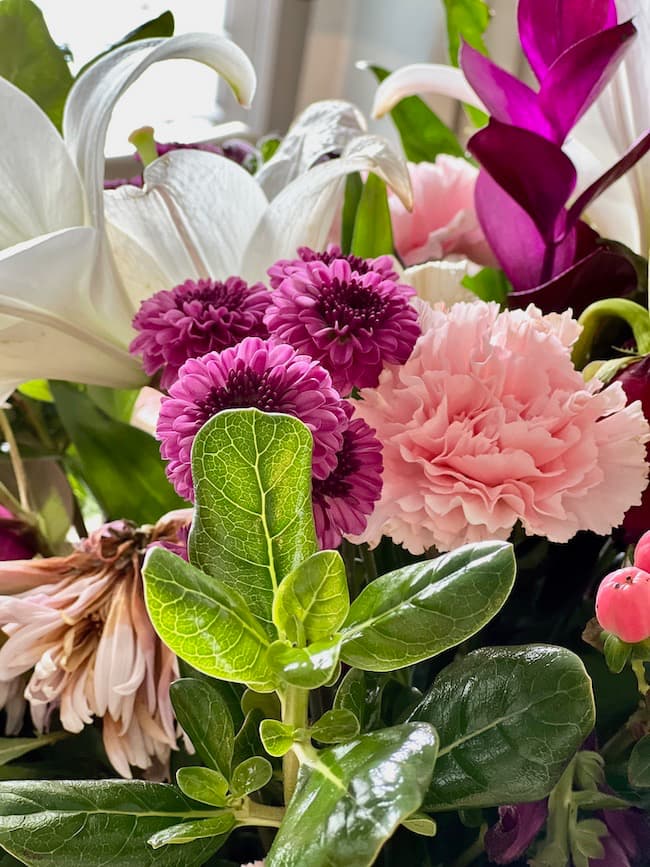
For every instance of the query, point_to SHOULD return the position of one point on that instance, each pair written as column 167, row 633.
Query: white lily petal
column 437, row 282
column 194, row 216
column 95, row 94
column 140, row 273
column 421, row 78
column 323, row 128
column 302, row 214
column 48, row 279
column 41, row 190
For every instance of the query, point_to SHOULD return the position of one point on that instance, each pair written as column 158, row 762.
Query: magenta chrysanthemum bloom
column 284, row 267
column 195, row 318
column 352, row 323
column 343, row 500
column 273, row 377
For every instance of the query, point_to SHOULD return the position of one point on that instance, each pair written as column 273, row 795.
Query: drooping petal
column 323, row 128
column 193, row 217
column 546, row 33
column 437, row 282
column 588, row 66
column 41, row 190
column 94, row 95
column 506, row 98
column 423, row 78
column 532, row 170
column 301, row 215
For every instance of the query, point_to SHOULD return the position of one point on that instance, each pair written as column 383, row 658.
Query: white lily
column 65, row 311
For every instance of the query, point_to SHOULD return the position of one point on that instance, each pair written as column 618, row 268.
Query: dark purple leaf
column 533, row 171
column 579, row 76
column 546, row 33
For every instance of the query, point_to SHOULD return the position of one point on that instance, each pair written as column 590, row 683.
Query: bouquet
column 325, row 519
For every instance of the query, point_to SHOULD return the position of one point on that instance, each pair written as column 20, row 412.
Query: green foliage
column 373, row 232
column 490, row 284
column 335, row 726
column 351, row 199
column 161, row 26
column 249, row 776
column 639, row 765
column 203, row 784
column 421, row 131
column 253, row 522
column 277, row 737
column 305, row 667
column 204, row 715
column 353, row 799
column 119, row 463
column 93, row 823
column 30, row 58
column 214, row 829
column 509, row 719
column 418, row 611
column 466, row 20
column 13, row 748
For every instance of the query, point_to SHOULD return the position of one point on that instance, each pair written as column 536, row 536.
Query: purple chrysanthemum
column 383, row 265
column 195, row 318
column 256, row 373
column 343, row 500
column 352, row 323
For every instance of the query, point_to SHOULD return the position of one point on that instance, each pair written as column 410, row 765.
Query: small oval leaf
column 203, row 713
column 186, row 832
column 204, row 785
column 305, row 667
column 250, row 776
column 335, row 726
column 277, row 737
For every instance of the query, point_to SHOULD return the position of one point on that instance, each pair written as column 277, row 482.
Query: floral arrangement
column 324, row 505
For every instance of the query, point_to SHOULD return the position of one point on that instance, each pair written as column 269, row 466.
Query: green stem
column 638, row 667
column 295, row 712
column 593, row 317
column 259, row 815
column 16, row 462
column 472, row 852
column 369, row 562
column 617, row 745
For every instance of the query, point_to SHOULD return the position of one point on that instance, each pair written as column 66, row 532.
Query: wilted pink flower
column 343, row 501
column 383, row 265
column 488, row 423
column 443, row 220
column 195, row 318
column 16, row 541
column 256, row 373
column 352, row 323
column 84, row 642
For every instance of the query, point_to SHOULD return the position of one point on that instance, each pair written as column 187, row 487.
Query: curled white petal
column 418, row 78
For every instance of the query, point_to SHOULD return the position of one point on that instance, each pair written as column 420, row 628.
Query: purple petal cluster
column 195, row 318
column 284, row 267
column 550, row 256
column 353, row 322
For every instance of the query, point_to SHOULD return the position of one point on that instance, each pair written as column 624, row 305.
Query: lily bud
column 623, row 604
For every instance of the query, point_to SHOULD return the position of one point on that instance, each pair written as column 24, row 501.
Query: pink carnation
column 488, row 423
column 443, row 220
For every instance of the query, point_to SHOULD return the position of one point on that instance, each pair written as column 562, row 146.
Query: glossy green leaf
column 247, row 741
column 351, row 198
column 186, row 832
column 421, row 131
column 163, row 25
column 205, row 622
column 306, row 667
column 490, row 284
column 509, row 719
column 468, row 20
column 119, row 463
column 335, row 726
column 277, row 737
column 51, row 823
column 267, row 702
column 30, row 58
column 420, row 823
column 203, row 713
column 638, row 768
column 251, row 775
column 418, row 611
column 204, row 785
column 361, row 693
column 373, row 232
column 118, row 403
column 13, row 748
column 313, row 600
column 586, row 841
column 253, row 522
column 346, row 808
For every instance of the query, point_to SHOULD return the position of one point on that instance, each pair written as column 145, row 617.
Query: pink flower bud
column 642, row 552
column 623, row 604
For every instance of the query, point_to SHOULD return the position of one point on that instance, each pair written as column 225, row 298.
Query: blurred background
column 303, row 50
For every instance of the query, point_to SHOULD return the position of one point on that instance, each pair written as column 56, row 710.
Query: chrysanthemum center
column 243, row 388
column 349, row 306
column 213, row 294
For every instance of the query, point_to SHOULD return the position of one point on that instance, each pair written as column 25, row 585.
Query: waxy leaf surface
column 305, row 667
column 203, row 784
column 343, row 811
column 418, row 611
column 335, row 726
column 203, row 713
column 509, row 720
column 639, row 765
column 204, row 622
column 217, row 828
column 253, row 522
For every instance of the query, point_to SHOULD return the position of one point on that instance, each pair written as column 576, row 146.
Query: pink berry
column 642, row 552
column 623, row 604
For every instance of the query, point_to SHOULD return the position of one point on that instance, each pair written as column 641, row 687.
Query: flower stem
column 295, row 712
column 593, row 317
column 638, row 667
column 259, row 815
column 16, row 462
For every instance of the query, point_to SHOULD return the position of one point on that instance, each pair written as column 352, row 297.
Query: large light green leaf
column 509, row 719
column 373, row 232
column 61, row 824
column 313, row 600
column 345, row 809
column 420, row 610
column 205, row 623
column 203, row 713
column 421, row 131
column 253, row 522
column 30, row 58
column 468, row 20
